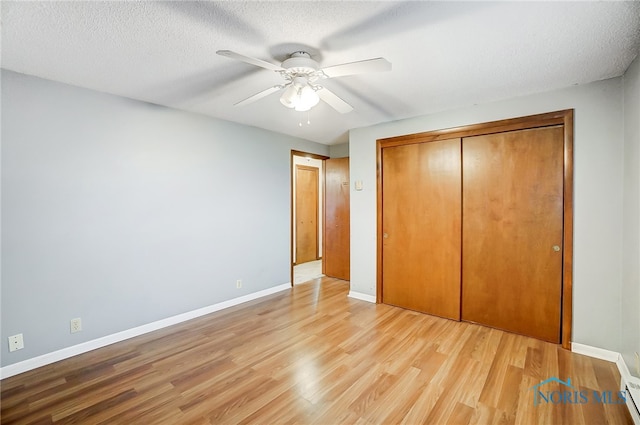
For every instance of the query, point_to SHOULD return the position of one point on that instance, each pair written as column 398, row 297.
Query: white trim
column 633, row 395
column 622, row 367
column 65, row 353
column 362, row 297
column 598, row 353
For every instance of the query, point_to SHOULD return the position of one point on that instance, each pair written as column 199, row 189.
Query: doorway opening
column 307, row 179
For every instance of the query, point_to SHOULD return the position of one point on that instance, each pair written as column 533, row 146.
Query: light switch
column 358, row 184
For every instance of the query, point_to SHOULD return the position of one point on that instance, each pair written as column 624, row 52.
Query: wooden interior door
column 421, row 213
column 335, row 257
column 306, row 213
column 513, row 227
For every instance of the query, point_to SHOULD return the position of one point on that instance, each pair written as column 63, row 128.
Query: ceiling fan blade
column 398, row 18
column 249, row 60
column 258, row 96
column 361, row 67
column 334, row 101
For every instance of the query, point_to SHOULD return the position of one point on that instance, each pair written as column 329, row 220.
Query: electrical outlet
column 76, row 325
column 16, row 342
column 638, row 363
column 239, row 283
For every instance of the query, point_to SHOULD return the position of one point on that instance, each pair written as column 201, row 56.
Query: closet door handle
column 385, row 235
column 556, row 248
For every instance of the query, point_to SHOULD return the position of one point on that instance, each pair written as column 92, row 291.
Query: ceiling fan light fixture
column 302, row 74
column 289, row 96
column 307, row 99
column 300, row 95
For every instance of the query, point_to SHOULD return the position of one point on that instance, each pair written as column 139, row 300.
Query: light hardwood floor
column 313, row 356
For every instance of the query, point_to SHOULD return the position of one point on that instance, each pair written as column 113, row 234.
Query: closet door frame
column 564, row 118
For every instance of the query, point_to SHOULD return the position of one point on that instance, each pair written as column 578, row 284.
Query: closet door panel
column 335, row 259
column 512, row 231
column 421, row 213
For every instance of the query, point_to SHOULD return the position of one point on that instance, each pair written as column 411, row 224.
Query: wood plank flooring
column 312, row 355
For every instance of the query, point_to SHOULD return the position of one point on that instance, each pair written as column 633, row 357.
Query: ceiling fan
column 302, row 74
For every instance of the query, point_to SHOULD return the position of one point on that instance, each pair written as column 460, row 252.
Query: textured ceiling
column 444, row 54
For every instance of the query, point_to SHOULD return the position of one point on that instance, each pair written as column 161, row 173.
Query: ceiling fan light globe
column 302, row 108
column 307, row 99
column 289, row 97
column 287, row 103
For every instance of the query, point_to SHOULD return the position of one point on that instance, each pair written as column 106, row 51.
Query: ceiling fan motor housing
column 300, row 63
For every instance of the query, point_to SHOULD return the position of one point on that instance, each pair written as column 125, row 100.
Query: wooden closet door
column 307, row 195
column 421, row 227
column 512, row 231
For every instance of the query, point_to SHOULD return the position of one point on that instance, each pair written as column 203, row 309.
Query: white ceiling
column 444, row 54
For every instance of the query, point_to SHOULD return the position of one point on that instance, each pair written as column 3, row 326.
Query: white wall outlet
column 239, row 283
column 76, row 325
column 16, row 342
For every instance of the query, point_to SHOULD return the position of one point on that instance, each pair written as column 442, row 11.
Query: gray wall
column 124, row 213
column 631, row 247
column 599, row 158
column 339, row 151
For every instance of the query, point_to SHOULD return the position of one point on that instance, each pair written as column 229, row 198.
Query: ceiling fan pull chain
column 308, row 119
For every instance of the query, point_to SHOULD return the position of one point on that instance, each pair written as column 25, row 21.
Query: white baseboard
column 362, row 297
column 598, row 353
column 65, row 353
column 626, row 379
